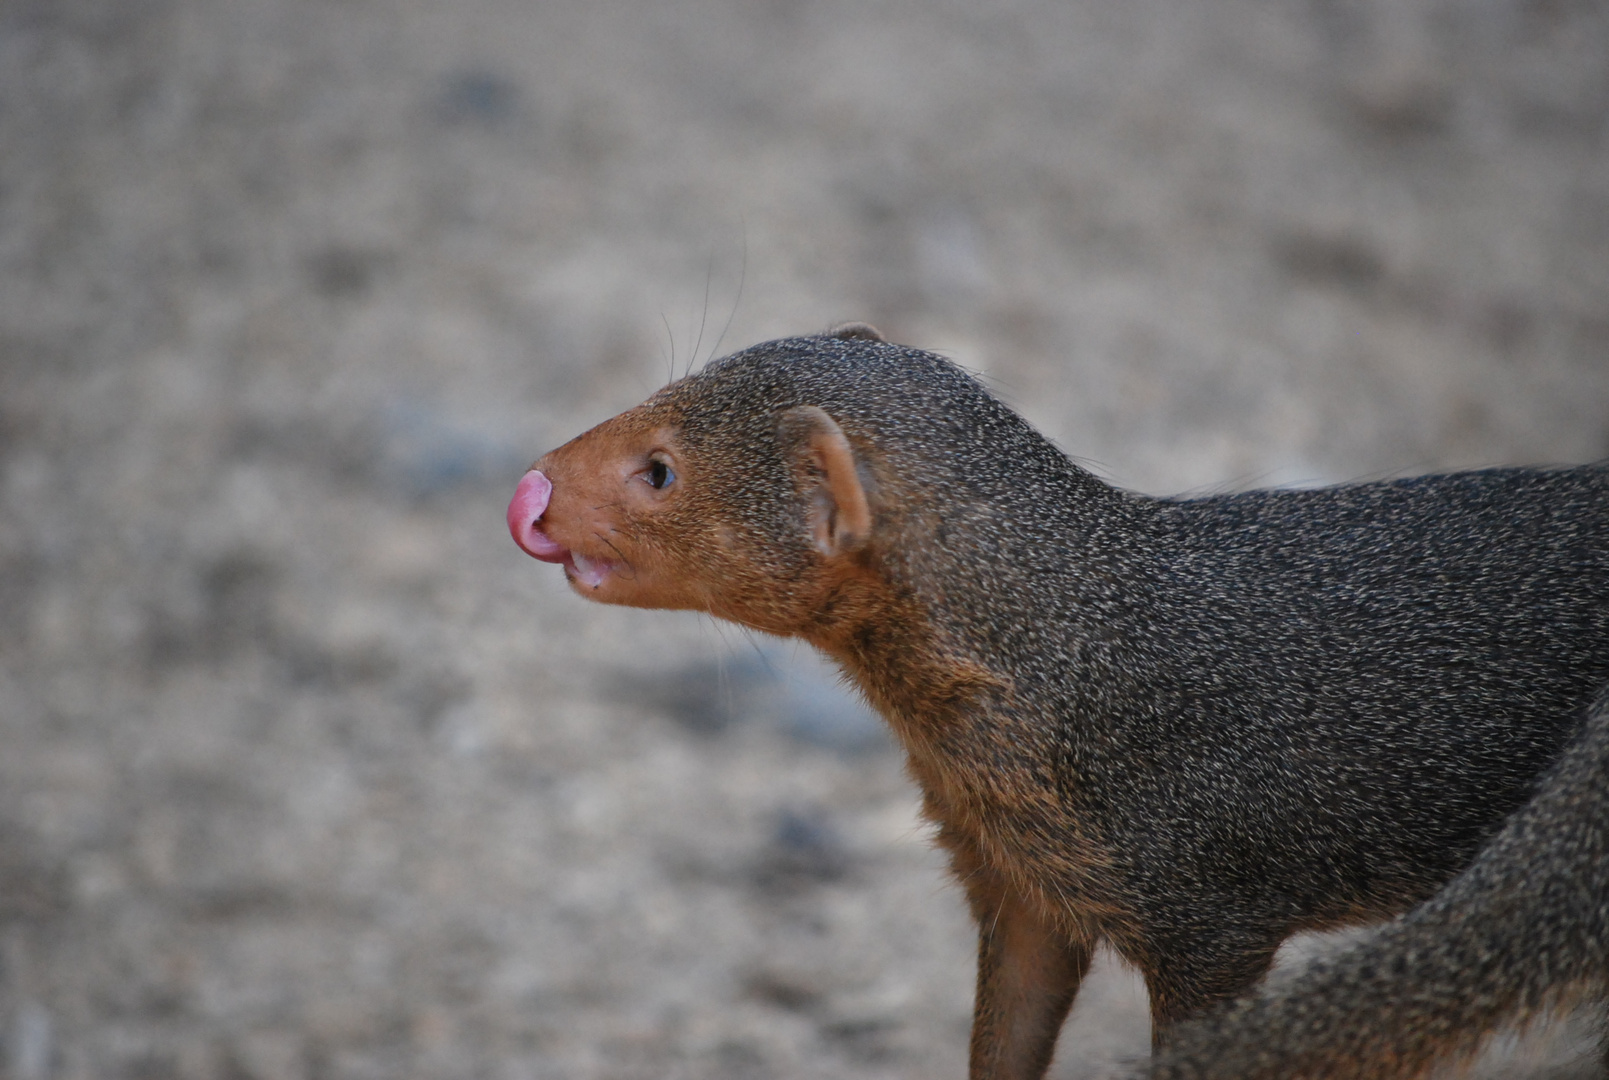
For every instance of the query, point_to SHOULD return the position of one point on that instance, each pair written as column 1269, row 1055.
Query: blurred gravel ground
column 308, row 773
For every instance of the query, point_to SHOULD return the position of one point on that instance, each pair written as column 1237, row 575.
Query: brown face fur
column 614, row 488
column 646, row 521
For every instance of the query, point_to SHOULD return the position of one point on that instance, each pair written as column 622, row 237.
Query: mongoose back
column 1523, row 928
column 1186, row 727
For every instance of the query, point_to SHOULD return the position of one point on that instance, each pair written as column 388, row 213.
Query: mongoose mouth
column 589, row 572
column 525, row 512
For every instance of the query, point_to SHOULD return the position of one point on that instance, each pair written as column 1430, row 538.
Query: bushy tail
column 1523, row 928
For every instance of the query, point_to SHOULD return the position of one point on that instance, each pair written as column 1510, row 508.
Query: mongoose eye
column 659, row 475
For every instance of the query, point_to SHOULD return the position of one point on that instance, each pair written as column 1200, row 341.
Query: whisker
column 623, row 560
column 709, row 274
column 737, row 301
column 671, row 336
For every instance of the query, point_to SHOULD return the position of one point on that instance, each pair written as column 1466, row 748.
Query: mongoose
column 1185, row 727
column 1525, row 927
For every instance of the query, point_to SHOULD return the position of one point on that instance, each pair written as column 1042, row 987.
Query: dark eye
column 659, row 475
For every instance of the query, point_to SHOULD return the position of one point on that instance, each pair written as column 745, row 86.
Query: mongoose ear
column 839, row 515
column 855, row 331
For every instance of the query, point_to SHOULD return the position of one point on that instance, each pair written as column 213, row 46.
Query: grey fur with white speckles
column 1526, row 926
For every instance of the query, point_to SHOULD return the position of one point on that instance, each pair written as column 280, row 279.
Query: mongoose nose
column 525, row 511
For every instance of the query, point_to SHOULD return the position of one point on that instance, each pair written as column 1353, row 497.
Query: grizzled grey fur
column 1525, row 927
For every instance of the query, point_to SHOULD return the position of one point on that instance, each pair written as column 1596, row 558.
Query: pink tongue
column 525, row 513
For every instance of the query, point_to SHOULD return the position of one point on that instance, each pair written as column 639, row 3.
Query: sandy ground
column 308, row 773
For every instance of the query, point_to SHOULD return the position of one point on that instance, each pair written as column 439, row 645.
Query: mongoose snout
column 525, row 512
column 593, row 506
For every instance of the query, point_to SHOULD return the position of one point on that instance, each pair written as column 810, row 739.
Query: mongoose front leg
column 1028, row 974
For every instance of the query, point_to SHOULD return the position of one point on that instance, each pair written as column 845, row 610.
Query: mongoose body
column 1525, row 927
column 1187, row 727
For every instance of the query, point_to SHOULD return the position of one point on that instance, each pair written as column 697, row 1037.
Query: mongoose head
column 730, row 491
